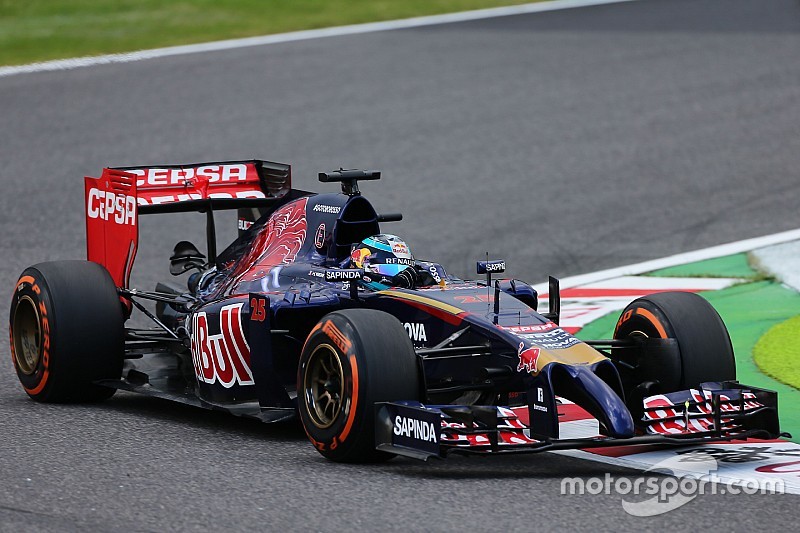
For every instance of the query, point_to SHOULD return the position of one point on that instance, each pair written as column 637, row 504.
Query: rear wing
column 115, row 200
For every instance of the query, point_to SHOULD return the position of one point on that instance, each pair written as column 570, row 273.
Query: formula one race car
column 314, row 312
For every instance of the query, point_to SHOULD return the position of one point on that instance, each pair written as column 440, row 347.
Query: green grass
column 39, row 30
column 777, row 353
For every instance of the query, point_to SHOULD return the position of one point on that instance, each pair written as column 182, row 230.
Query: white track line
column 79, row 62
column 679, row 259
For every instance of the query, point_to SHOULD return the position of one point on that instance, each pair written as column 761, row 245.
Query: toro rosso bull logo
column 528, row 359
column 224, row 357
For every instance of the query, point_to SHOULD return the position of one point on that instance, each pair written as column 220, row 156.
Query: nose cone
column 581, row 385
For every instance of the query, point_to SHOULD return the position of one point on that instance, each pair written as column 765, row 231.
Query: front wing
column 714, row 412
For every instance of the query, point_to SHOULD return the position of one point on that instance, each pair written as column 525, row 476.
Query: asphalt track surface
column 565, row 142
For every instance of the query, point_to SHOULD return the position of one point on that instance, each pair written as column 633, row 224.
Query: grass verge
column 40, row 30
column 777, row 353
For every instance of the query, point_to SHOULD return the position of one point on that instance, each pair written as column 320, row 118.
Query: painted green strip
column 602, row 328
column 730, row 266
column 749, row 310
column 777, row 353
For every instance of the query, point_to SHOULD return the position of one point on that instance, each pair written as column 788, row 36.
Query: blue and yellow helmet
column 384, row 254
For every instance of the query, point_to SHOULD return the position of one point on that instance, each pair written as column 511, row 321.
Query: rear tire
column 67, row 331
column 705, row 350
column 351, row 360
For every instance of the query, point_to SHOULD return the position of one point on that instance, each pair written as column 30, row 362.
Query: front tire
column 67, row 331
column 351, row 360
column 704, row 346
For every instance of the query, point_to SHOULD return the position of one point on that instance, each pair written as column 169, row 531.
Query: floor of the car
column 159, row 375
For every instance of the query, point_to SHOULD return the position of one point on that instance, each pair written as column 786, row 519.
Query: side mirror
column 185, row 256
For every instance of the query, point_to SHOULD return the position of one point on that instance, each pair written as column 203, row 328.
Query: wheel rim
column 323, row 384
column 27, row 334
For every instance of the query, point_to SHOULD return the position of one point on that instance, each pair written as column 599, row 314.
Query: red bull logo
column 528, row 358
column 225, row 356
column 359, row 256
column 399, row 248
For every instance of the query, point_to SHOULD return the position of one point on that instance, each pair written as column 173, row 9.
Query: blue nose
column 581, row 385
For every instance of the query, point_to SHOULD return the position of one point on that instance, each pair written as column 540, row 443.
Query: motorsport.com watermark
column 669, row 492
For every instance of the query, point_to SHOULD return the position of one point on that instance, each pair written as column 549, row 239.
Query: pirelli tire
column 704, row 346
column 67, row 331
column 351, row 360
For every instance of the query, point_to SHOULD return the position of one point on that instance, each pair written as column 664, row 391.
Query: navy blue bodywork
column 240, row 330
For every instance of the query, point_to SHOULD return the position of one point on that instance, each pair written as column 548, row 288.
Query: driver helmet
column 384, row 254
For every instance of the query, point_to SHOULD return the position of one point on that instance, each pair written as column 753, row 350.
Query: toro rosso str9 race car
column 314, row 312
